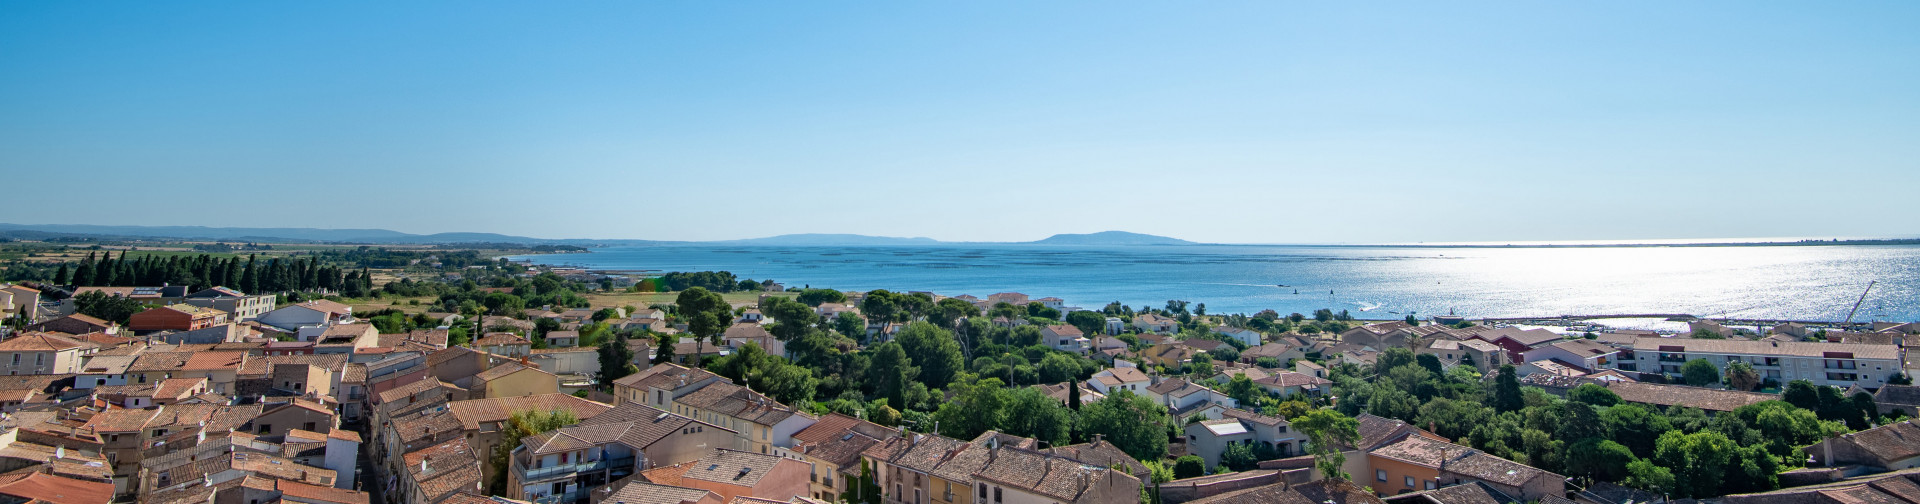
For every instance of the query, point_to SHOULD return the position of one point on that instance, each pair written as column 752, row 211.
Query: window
column 1409, row 482
column 307, row 427
column 264, row 428
column 983, row 491
column 16, row 359
column 1380, row 474
column 1430, row 485
column 996, row 494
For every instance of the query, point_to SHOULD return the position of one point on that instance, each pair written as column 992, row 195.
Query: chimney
column 1098, row 437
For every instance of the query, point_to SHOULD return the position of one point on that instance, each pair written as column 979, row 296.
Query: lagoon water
column 1779, row 282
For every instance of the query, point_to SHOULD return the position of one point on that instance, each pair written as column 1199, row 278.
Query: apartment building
column 1833, row 364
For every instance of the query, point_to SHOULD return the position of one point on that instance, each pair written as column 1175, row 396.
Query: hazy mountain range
column 384, row 236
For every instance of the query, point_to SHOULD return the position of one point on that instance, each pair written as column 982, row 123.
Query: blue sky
column 1261, row 122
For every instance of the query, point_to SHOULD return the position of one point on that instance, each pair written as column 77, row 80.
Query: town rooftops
column 1693, row 397
column 732, row 467
column 666, row 376
column 1527, row 337
column 1224, row 427
column 38, row 487
column 1065, row 330
column 501, row 339
column 1119, row 375
column 41, row 342
column 738, row 402
column 641, row 492
column 1749, row 347
column 325, row 306
column 839, row 439
column 1293, row 379
column 1888, row 443
column 473, row 413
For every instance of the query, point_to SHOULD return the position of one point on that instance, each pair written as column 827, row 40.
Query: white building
column 1836, row 364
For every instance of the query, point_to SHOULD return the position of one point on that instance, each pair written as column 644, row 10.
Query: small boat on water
column 1279, row 285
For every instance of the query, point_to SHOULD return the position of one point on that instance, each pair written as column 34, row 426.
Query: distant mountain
column 369, row 236
column 829, row 240
column 1110, row 238
column 384, row 236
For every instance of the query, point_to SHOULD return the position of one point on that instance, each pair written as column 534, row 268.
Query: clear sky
column 1317, row 122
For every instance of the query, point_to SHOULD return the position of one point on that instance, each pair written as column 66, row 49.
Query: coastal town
column 291, row 391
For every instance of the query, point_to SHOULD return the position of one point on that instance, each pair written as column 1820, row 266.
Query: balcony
column 563, row 498
column 570, row 469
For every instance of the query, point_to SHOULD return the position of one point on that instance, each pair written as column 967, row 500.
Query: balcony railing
column 569, row 469
column 564, row 498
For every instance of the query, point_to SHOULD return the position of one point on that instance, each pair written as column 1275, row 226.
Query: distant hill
column 385, row 236
column 829, row 240
column 234, row 234
column 1110, row 238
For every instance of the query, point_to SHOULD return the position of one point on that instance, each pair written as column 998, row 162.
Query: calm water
column 1813, row 283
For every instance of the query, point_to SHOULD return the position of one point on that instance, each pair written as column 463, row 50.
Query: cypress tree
column 105, row 274
column 60, row 277
column 250, row 280
column 83, row 275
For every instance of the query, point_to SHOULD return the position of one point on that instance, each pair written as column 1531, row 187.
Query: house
column 1836, row 364
column 346, row 339
column 1121, row 378
column 177, row 317
column 633, row 491
column 1903, row 486
column 1060, row 392
column 563, row 339
column 1890, row 447
column 1517, row 341
column 37, row 353
column 510, row 379
column 832, row 448
column 1012, row 298
column 1066, row 338
column 221, row 369
column 1380, row 336
column 504, row 344
column 571, row 362
column 1890, row 398
column 1309, row 368
column 762, row 423
column 35, row 486
column 733, row 473
column 1171, row 355
column 659, row 385
column 926, row 468
column 438, row 473
column 1279, row 351
column 1148, row 322
column 78, row 323
column 102, row 370
column 1415, row 463
column 1584, row 354
column 16, row 299
column 238, row 305
column 739, row 335
column 1209, row 438
column 1020, row 476
column 1115, row 325
column 1482, row 356
column 319, row 312
column 482, row 420
column 1183, row 398
column 297, row 414
column 1245, row 336
column 1288, row 383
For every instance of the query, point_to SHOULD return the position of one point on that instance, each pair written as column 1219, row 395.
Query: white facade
column 1832, row 364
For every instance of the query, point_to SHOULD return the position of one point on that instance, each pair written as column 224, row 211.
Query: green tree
column 1239, row 457
column 792, row 318
column 616, row 361
column 817, row 297
column 1741, row 376
column 1327, row 431
column 519, row 425
column 706, row 313
column 948, row 311
column 933, row 350
column 891, row 372
column 975, row 406
column 1506, row 390
column 1699, row 373
column 1801, row 394
column 1634, row 427
column 1242, row 389
column 1593, row 394
column 1132, row 423
column 107, row 307
column 503, row 304
column 850, row 325
column 1598, row 459
column 1057, row 367
column 1189, row 466
column 1031, row 413
column 662, row 348
column 1088, row 322
column 1646, row 475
